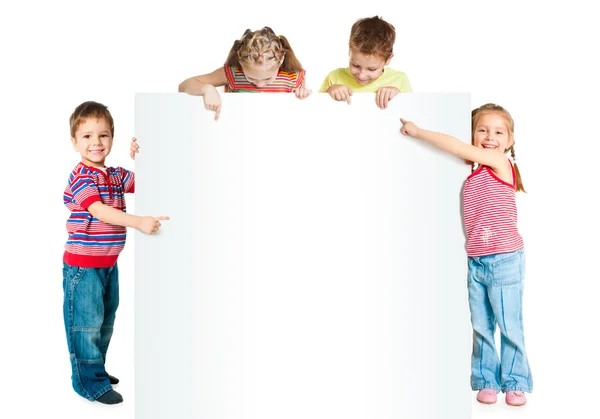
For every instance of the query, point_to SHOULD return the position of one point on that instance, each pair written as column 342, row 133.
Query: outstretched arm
column 452, row 145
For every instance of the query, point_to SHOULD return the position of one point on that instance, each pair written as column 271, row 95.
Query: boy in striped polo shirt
column 97, row 226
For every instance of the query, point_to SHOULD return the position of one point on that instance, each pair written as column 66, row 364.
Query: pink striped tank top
column 490, row 214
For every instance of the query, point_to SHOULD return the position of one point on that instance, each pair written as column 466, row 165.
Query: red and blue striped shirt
column 92, row 243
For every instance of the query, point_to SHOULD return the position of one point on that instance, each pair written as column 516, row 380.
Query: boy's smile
column 93, row 141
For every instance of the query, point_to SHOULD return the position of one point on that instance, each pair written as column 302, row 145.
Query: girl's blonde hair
column 253, row 46
column 490, row 108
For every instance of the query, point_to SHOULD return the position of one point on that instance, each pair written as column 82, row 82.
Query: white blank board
column 314, row 263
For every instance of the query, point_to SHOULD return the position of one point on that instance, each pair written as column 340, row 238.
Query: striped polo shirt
column 490, row 214
column 284, row 82
column 92, row 243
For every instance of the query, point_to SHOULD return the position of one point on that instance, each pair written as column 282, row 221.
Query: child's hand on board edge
column 384, row 95
column 134, row 148
column 340, row 92
column 302, row 92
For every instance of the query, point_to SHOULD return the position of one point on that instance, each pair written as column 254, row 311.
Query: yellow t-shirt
column 390, row 77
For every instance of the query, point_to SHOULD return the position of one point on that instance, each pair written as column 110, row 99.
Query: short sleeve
column 300, row 78
column 229, row 75
column 327, row 83
column 406, row 87
column 128, row 180
column 84, row 190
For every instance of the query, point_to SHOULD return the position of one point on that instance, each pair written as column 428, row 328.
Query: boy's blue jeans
column 91, row 300
column 495, row 286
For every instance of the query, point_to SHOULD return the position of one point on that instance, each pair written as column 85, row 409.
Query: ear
column 388, row 60
column 74, row 142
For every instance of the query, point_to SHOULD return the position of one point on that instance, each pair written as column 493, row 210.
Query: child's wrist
column 137, row 222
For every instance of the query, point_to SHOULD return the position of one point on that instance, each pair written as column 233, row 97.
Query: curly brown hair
column 373, row 36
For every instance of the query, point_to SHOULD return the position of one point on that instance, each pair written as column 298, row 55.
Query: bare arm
column 198, row 85
column 496, row 161
column 109, row 215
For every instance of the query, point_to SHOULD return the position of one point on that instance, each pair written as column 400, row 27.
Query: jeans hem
column 102, row 391
column 517, row 388
column 483, row 386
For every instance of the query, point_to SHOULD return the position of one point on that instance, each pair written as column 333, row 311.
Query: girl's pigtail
column 518, row 182
column 290, row 62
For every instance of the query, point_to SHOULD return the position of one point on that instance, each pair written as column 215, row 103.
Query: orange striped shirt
column 284, row 82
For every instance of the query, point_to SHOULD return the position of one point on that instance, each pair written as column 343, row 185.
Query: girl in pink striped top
column 496, row 257
column 260, row 61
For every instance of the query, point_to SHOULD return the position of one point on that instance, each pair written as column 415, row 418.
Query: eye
column 354, row 65
column 499, row 133
column 86, row 136
column 372, row 69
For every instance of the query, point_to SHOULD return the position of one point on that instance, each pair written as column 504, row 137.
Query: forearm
column 193, row 86
column 113, row 216
column 444, row 142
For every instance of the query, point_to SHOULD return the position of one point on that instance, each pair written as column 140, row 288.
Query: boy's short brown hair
column 373, row 36
column 87, row 110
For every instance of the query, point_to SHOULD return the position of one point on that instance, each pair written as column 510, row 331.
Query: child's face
column 366, row 68
column 261, row 74
column 93, row 141
column 491, row 133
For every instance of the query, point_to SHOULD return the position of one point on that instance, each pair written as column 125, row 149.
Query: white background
column 537, row 59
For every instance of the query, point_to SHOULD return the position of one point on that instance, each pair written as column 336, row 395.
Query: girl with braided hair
column 260, row 61
column 496, row 258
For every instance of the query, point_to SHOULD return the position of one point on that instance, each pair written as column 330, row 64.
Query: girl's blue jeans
column 495, row 286
column 91, row 301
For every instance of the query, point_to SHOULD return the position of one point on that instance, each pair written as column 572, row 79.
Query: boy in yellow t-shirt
column 371, row 49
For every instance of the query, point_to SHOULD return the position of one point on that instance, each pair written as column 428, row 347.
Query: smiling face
column 93, row 140
column 491, row 132
column 366, row 68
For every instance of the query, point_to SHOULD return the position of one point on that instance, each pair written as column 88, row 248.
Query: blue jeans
column 495, row 286
column 91, row 300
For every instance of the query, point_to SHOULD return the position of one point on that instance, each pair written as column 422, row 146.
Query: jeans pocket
column 507, row 270
column 72, row 275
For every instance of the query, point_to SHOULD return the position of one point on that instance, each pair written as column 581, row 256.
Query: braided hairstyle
column 492, row 107
column 255, row 47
